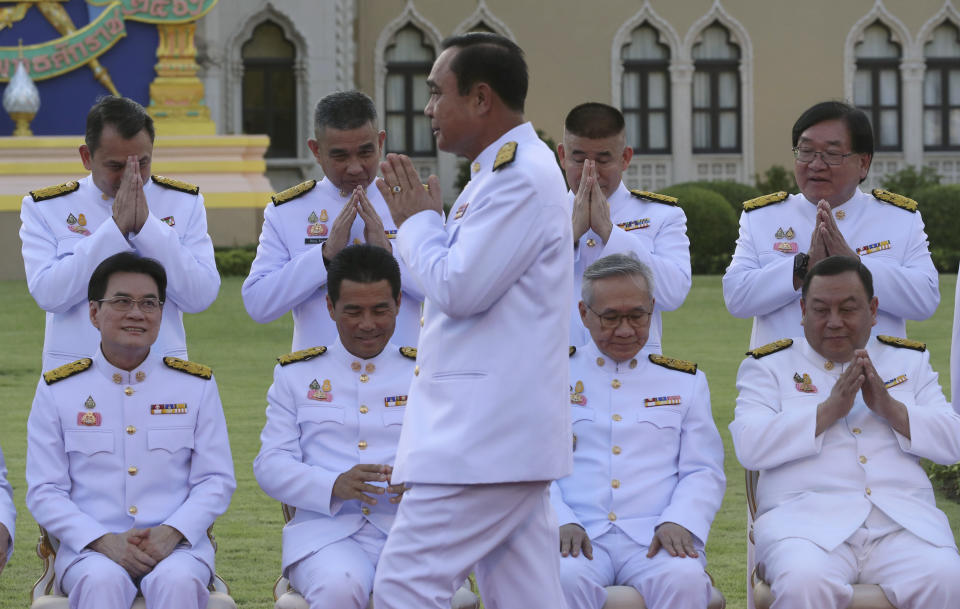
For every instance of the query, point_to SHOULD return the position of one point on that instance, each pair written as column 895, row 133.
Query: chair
column 865, row 596
column 627, row 597
column 286, row 597
column 47, row 596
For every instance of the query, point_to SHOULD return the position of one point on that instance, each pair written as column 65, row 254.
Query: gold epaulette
column 894, row 199
column 674, row 364
column 52, row 192
column 67, row 370
column 505, row 155
column 293, row 192
column 777, row 345
column 190, row 189
column 204, row 372
column 300, row 356
column 655, row 196
column 903, row 343
column 572, row 350
column 410, row 352
column 765, row 200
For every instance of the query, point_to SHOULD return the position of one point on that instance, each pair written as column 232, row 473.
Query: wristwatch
column 800, row 262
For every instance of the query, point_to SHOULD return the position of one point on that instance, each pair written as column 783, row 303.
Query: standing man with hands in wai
column 608, row 218
column 307, row 225
column 491, row 367
column 67, row 230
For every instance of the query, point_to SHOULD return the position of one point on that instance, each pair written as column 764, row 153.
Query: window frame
column 643, row 68
column 714, row 68
column 874, row 66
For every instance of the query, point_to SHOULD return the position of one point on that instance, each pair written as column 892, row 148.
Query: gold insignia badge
column 674, row 364
column 323, row 215
column 655, row 196
column 67, row 370
column 302, row 355
column 285, row 196
column 894, row 199
column 778, row 345
column 312, row 218
column 505, row 155
column 765, row 200
column 410, row 352
column 572, row 350
column 902, row 343
column 199, row 370
column 326, row 385
column 190, row 189
column 90, row 403
column 52, row 192
column 780, row 234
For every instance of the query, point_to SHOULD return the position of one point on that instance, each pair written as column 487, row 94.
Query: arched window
column 481, row 26
column 645, row 91
column 716, row 92
column 270, row 89
column 409, row 59
column 876, row 86
column 941, row 89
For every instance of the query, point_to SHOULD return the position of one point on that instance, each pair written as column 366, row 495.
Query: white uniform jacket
column 66, row 237
column 822, row 488
column 325, row 415
column 955, row 353
column 110, row 450
column 8, row 512
column 646, row 449
column 891, row 243
column 488, row 403
column 656, row 233
column 288, row 272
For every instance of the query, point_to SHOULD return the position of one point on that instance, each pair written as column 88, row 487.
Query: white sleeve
column 750, row 289
column 934, row 426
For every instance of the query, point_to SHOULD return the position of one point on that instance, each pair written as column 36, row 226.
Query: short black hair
column 493, row 59
column 125, row 115
column 594, row 121
column 835, row 265
column 861, row 133
column 344, row 110
column 126, row 262
column 362, row 263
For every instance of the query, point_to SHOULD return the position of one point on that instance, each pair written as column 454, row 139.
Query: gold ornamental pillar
column 177, row 102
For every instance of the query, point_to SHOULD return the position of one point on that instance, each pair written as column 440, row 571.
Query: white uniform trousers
column 508, row 531
column 96, row 582
column 664, row 581
column 913, row 573
column 340, row 574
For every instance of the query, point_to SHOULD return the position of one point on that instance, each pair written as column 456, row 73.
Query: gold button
column 132, row 470
column 868, row 490
column 863, row 459
column 591, row 242
column 370, row 367
column 104, row 196
column 416, row 370
column 600, row 361
column 617, row 417
column 356, row 241
column 856, row 430
column 128, row 391
column 355, row 366
column 616, row 383
column 611, row 516
column 475, row 167
column 365, row 510
column 364, row 410
column 615, row 483
column 364, row 378
column 132, row 509
column 421, row 322
column 616, row 450
column 117, row 378
column 141, row 375
column 131, row 430
column 841, row 214
column 828, row 365
column 633, row 363
column 362, row 445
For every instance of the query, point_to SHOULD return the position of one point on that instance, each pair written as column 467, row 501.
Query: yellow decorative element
column 300, row 356
column 655, row 196
column 22, row 120
column 903, row 343
column 52, row 192
column 410, row 352
column 572, row 350
column 894, row 199
column 60, row 19
column 204, row 372
column 176, row 94
column 9, row 16
column 778, row 345
column 293, row 192
column 674, row 364
column 67, row 370
column 505, row 155
column 765, row 200
column 190, row 189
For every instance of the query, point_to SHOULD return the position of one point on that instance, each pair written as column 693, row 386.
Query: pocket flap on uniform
column 393, row 416
column 661, row 416
column 87, row 441
column 579, row 413
column 170, row 439
column 320, row 414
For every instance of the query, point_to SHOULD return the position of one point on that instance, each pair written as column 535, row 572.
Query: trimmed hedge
column 939, row 206
column 712, row 227
column 234, row 261
column 734, row 192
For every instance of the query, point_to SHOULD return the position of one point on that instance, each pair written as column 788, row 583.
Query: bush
column 909, row 182
column 711, row 227
column 735, row 193
column 938, row 205
column 945, row 478
column 234, row 261
column 775, row 179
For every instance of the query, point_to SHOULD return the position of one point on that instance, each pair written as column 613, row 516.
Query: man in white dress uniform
column 486, row 427
column 836, row 423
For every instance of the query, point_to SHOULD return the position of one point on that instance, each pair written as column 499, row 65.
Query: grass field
column 241, row 353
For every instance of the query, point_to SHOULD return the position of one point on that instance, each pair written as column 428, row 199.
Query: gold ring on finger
column 397, row 190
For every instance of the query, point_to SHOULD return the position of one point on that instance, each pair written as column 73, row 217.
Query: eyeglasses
column 609, row 321
column 806, row 155
column 149, row 304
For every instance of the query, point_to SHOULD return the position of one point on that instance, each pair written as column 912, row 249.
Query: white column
column 681, row 81
column 911, row 73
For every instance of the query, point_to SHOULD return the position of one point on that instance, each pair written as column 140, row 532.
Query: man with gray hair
column 647, row 457
column 305, row 226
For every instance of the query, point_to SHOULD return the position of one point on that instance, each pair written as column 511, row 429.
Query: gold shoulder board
column 572, row 350
column 410, row 352
column 903, row 343
column 67, row 370
column 52, row 192
column 777, row 345
column 204, row 372
column 765, row 200
column 293, row 192
column 674, row 364
column 655, row 196
column 894, row 199
column 505, row 155
column 190, row 189
column 300, row 356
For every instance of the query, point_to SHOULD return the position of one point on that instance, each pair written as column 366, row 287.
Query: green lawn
column 241, row 353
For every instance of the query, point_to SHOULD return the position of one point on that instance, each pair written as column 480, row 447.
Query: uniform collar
column 606, row 363
column 127, row 377
column 849, row 206
column 329, row 189
column 828, row 367
column 484, row 161
column 358, row 364
column 87, row 182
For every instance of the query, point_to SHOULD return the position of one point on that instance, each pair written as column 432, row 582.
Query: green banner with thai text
column 161, row 11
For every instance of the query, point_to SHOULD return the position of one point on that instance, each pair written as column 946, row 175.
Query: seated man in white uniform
column 333, row 421
column 8, row 515
column 647, row 462
column 836, row 423
column 128, row 462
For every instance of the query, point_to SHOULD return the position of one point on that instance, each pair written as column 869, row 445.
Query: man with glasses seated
column 782, row 235
column 647, row 459
column 128, row 462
